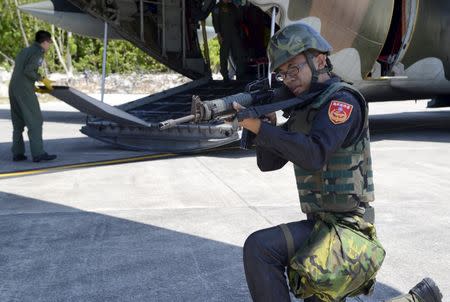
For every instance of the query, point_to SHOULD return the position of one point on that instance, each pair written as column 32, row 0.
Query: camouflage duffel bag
column 340, row 259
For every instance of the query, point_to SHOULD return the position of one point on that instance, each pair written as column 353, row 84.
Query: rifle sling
column 259, row 111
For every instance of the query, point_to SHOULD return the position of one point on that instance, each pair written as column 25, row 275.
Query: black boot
column 427, row 291
column 19, row 157
column 44, row 156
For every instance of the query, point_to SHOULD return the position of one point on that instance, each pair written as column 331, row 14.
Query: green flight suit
column 25, row 110
column 226, row 21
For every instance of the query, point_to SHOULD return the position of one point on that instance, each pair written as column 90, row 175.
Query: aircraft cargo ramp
column 134, row 125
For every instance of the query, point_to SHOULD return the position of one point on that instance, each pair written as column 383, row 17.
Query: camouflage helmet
column 292, row 40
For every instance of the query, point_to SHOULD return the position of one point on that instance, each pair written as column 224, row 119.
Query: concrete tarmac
column 173, row 229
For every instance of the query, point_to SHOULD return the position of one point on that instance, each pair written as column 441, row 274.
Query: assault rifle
column 256, row 93
column 257, row 99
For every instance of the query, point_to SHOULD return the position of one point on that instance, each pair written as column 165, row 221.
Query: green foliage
column 86, row 53
column 11, row 37
column 122, row 56
column 214, row 48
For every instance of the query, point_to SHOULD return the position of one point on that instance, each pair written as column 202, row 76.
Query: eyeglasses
column 291, row 72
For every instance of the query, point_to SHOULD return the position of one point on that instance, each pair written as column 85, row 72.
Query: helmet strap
column 316, row 72
column 310, row 60
column 329, row 66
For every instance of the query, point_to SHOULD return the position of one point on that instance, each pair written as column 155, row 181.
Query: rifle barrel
column 173, row 122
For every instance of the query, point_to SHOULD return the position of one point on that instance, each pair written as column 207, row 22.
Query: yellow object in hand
column 41, row 90
column 47, row 83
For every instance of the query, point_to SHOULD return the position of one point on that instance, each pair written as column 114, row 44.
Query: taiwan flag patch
column 339, row 112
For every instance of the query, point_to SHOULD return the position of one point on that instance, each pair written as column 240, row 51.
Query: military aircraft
column 390, row 49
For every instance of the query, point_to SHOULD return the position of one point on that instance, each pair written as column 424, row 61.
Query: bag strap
column 289, row 240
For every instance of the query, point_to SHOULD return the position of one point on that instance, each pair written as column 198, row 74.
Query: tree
column 73, row 53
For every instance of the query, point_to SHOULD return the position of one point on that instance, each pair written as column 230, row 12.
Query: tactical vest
column 346, row 179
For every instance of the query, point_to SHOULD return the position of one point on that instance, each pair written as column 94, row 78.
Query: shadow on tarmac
column 411, row 126
column 57, row 253
column 72, row 151
column 69, row 151
column 52, row 252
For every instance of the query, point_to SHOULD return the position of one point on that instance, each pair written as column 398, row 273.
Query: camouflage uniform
column 25, row 110
column 226, row 21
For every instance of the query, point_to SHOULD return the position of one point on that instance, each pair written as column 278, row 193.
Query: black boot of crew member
column 44, row 156
column 19, row 157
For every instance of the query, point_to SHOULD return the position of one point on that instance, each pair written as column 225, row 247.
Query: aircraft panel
column 93, row 107
column 187, row 137
column 66, row 16
column 431, row 36
column 357, row 29
column 166, row 30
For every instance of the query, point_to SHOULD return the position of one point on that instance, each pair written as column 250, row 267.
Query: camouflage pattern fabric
column 293, row 40
column 340, row 259
column 348, row 173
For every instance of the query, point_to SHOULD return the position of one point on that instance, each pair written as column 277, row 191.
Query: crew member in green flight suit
column 25, row 109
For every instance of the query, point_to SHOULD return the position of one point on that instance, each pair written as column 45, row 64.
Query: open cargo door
column 93, row 107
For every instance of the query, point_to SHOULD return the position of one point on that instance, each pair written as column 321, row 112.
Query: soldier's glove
column 47, row 83
column 41, row 90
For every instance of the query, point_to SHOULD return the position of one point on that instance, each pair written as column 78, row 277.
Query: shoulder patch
column 339, row 112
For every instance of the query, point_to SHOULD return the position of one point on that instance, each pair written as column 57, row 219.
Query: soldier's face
column 297, row 74
column 46, row 45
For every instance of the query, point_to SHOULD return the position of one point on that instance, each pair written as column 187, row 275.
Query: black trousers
column 266, row 258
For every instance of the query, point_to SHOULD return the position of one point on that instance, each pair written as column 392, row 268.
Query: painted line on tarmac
column 102, row 163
